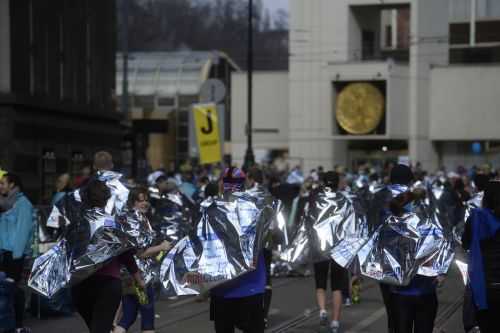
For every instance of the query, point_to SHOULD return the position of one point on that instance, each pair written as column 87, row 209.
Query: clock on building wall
column 360, row 108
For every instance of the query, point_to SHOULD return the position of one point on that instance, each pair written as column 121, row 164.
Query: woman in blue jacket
column 16, row 231
column 482, row 239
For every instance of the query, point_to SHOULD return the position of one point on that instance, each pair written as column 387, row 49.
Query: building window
column 61, row 58
column 88, row 62
column 388, row 36
column 31, row 48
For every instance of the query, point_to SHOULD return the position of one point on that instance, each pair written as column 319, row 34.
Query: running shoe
column 323, row 318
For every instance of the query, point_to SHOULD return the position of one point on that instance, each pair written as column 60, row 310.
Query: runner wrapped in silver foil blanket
column 96, row 239
column 174, row 214
column 334, row 225
column 138, row 228
column 116, row 202
column 406, row 245
column 229, row 236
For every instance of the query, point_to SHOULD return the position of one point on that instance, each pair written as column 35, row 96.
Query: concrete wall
column 270, row 112
column 397, row 102
column 4, row 46
column 456, row 154
column 465, row 103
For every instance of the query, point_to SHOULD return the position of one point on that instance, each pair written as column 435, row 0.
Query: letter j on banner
column 207, row 133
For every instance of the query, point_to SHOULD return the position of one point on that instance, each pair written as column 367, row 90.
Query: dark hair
column 211, row 190
column 481, row 181
column 397, row 204
column 13, row 178
column 401, row 174
column 134, row 195
column 331, row 179
column 96, row 194
column 491, row 198
column 256, row 174
column 161, row 179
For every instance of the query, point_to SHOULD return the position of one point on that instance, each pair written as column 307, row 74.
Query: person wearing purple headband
column 239, row 303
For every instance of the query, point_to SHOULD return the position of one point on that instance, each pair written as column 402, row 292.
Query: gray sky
column 276, row 4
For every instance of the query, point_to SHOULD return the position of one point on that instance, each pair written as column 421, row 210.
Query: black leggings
column 268, row 258
column 246, row 313
column 414, row 314
column 338, row 275
column 489, row 320
column 14, row 270
column 96, row 300
column 385, row 289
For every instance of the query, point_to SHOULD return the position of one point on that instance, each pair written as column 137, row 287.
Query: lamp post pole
column 249, row 156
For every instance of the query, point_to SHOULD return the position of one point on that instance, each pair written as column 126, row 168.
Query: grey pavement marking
column 364, row 324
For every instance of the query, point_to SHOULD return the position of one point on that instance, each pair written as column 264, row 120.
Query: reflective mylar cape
column 333, row 226
column 278, row 236
column 92, row 242
column 407, row 245
column 174, row 214
column 226, row 243
column 475, row 202
column 117, row 201
column 137, row 227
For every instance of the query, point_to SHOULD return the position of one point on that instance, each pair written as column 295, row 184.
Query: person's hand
column 440, row 280
column 165, row 246
column 139, row 280
column 192, row 278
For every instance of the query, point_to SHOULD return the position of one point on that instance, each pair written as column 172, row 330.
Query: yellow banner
column 207, row 133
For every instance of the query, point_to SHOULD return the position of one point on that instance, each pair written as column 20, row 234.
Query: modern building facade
column 57, row 79
column 437, row 104
column 420, row 78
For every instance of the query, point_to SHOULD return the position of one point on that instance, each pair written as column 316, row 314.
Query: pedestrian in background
column 339, row 277
column 63, row 186
column 16, row 232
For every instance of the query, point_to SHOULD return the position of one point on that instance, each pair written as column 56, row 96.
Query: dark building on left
column 57, row 79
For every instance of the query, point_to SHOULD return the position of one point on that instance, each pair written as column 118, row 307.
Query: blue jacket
column 16, row 227
column 484, row 225
column 249, row 284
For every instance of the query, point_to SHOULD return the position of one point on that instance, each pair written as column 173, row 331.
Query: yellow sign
column 207, row 133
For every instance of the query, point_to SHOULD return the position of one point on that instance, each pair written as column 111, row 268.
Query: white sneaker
column 323, row 318
column 335, row 327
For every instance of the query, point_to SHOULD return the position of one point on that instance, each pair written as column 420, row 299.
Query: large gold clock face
column 360, row 108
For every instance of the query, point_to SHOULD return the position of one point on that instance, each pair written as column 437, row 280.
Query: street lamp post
column 124, row 30
column 249, row 156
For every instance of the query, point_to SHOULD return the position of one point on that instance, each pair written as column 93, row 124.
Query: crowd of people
column 109, row 300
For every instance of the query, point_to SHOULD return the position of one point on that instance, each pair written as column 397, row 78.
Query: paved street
column 293, row 310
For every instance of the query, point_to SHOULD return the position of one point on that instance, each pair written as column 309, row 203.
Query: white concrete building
column 436, row 62
column 434, row 111
column 270, row 114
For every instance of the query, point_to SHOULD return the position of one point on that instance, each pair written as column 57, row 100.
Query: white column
column 429, row 46
column 473, row 16
column 394, row 28
column 4, row 46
